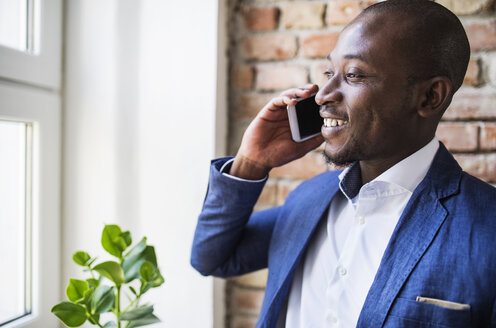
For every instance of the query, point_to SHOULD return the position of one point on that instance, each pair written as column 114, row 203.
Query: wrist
column 248, row 169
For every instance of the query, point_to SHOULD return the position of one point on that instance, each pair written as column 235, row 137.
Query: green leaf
column 76, row 289
column 137, row 249
column 72, row 315
column 126, row 235
column 87, row 297
column 134, row 259
column 147, row 270
column 137, row 313
column 158, row 280
column 133, row 290
column 90, row 262
column 111, row 270
column 93, row 282
column 110, row 324
column 112, row 240
column 81, row 258
column 147, row 320
column 102, row 300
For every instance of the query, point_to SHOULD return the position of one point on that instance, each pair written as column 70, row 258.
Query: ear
column 434, row 95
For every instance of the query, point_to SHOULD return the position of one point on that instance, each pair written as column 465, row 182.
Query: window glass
column 13, row 24
column 15, row 236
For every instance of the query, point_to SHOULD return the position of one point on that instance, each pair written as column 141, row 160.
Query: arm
column 229, row 239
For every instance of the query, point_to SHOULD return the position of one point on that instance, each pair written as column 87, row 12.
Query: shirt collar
column 407, row 173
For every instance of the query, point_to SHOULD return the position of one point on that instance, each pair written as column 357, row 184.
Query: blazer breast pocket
column 407, row 313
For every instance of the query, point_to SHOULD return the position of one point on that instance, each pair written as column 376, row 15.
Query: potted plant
column 133, row 274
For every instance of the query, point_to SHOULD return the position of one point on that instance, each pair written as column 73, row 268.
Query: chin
column 337, row 160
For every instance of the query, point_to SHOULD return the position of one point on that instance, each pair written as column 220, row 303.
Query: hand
column 267, row 141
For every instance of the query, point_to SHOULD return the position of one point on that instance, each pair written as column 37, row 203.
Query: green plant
column 90, row 298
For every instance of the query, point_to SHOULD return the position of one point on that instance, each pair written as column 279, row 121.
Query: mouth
column 333, row 122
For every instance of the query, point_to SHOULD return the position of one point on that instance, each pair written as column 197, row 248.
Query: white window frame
column 43, row 68
column 30, row 92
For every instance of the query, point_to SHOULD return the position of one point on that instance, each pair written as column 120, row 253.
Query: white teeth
column 330, row 122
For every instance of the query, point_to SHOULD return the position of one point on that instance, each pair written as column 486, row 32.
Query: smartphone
column 305, row 121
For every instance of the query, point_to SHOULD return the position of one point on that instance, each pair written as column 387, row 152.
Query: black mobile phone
column 304, row 119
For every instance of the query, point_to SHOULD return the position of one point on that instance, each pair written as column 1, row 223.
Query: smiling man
column 402, row 237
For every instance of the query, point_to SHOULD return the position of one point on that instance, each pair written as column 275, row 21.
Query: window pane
column 14, row 220
column 13, row 24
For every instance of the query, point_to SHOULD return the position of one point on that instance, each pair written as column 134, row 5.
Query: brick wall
column 276, row 45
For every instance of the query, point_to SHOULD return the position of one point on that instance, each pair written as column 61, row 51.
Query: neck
column 371, row 169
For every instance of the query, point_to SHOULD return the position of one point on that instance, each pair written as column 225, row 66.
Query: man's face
column 368, row 96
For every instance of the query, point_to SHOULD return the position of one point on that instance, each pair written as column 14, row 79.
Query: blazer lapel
column 294, row 231
column 415, row 231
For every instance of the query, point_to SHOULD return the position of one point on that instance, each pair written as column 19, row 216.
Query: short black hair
column 434, row 42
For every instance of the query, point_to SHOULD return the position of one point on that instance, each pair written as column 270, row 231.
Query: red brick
column 482, row 36
column 247, row 300
column 280, row 77
column 284, row 188
column 472, row 105
column 459, row 136
column 274, row 46
column 318, row 45
column 317, row 71
column 472, row 77
column 341, row 12
column 303, row 15
column 242, row 77
column 304, row 168
column 243, row 321
column 248, row 105
column 260, row 18
column 488, row 136
column 268, row 196
column 482, row 166
column 466, row 7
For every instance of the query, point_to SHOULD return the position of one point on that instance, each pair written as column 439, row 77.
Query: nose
column 330, row 92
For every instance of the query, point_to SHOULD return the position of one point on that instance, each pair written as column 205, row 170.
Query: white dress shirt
column 332, row 281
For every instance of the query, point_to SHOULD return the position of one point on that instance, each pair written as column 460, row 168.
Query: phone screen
column 309, row 120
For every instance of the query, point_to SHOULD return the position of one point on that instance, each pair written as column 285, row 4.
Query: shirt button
column 342, row 271
column 361, row 220
column 334, row 320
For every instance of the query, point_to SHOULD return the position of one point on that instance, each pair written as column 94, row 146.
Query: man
column 402, row 237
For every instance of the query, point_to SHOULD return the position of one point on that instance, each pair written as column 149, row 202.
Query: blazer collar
column 415, row 231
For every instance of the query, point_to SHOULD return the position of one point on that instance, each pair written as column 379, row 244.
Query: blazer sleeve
column 229, row 239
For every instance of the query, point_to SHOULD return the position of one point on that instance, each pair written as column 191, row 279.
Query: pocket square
column 444, row 304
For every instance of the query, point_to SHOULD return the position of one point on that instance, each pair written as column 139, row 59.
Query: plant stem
column 92, row 317
column 118, row 306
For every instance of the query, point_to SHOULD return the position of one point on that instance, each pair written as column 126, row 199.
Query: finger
column 281, row 102
column 290, row 97
column 302, row 92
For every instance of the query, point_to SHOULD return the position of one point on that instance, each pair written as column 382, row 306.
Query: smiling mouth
column 331, row 122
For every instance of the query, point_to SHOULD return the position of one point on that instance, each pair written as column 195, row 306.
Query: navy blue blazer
column 443, row 247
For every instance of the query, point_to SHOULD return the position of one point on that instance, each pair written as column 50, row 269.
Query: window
column 15, row 227
column 19, row 25
column 30, row 70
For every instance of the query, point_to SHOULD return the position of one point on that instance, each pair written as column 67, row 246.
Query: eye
column 353, row 76
column 329, row 74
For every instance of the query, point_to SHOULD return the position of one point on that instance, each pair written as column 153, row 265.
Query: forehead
column 371, row 41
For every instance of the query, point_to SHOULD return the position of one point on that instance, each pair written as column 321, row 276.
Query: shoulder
column 469, row 182
column 475, row 191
